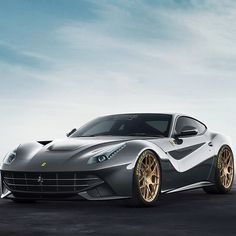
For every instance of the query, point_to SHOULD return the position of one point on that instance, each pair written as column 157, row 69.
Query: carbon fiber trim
column 183, row 152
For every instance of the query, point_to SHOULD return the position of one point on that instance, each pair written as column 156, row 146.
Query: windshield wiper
column 144, row 135
column 93, row 135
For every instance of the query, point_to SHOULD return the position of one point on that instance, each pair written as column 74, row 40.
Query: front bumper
column 103, row 185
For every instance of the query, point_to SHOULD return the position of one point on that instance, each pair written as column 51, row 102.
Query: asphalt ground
column 186, row 213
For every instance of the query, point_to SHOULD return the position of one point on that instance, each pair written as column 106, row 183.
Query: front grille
column 49, row 182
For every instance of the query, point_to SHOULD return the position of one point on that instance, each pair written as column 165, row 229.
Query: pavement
column 186, row 213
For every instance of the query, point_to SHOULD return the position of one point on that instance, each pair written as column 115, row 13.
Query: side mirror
column 191, row 131
column 71, row 132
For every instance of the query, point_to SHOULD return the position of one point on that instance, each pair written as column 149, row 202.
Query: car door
column 190, row 152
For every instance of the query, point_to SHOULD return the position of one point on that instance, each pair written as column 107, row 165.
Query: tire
column 147, row 179
column 224, row 174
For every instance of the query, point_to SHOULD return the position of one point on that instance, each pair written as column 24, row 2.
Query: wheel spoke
column 146, row 191
column 144, row 165
column 154, row 170
column 142, row 177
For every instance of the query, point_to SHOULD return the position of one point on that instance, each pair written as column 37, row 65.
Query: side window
column 185, row 122
column 200, row 127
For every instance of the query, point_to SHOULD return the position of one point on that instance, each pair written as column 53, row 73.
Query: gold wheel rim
column 226, row 167
column 149, row 177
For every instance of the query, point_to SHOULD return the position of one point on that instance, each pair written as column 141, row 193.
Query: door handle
column 210, row 144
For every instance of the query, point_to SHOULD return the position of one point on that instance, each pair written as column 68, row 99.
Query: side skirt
column 189, row 187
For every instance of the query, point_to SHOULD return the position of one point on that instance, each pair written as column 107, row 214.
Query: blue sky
column 65, row 62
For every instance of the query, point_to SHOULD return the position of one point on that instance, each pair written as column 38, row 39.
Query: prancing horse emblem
column 40, row 180
column 43, row 164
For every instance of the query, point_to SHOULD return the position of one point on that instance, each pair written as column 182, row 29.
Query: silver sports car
column 136, row 156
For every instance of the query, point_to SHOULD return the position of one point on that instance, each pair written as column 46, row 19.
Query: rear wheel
column 224, row 172
column 147, row 179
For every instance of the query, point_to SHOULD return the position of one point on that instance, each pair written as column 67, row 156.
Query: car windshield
column 127, row 125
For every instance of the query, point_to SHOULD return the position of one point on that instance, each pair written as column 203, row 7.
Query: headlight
column 10, row 157
column 108, row 154
column 101, row 158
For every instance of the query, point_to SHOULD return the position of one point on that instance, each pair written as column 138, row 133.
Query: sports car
column 124, row 156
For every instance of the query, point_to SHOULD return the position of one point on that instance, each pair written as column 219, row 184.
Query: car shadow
column 194, row 197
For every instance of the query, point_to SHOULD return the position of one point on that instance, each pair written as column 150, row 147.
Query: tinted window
column 100, row 127
column 188, row 123
column 127, row 125
column 161, row 125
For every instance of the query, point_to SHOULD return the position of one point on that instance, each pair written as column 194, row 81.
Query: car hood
column 73, row 144
column 60, row 155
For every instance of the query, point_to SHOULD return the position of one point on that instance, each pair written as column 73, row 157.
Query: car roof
column 150, row 113
column 174, row 115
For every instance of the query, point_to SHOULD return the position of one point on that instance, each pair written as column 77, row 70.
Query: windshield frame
column 168, row 117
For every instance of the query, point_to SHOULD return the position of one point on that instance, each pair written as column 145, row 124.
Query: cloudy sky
column 63, row 63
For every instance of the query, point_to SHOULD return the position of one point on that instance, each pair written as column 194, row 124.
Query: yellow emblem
column 172, row 142
column 43, row 164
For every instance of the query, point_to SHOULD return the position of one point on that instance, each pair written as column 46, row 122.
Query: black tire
column 138, row 199
column 219, row 187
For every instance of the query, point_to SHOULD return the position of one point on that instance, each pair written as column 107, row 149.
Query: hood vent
column 44, row 142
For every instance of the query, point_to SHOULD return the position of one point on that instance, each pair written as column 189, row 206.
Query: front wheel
column 147, row 179
column 224, row 172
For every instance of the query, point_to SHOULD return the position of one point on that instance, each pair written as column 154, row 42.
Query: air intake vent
column 49, row 182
